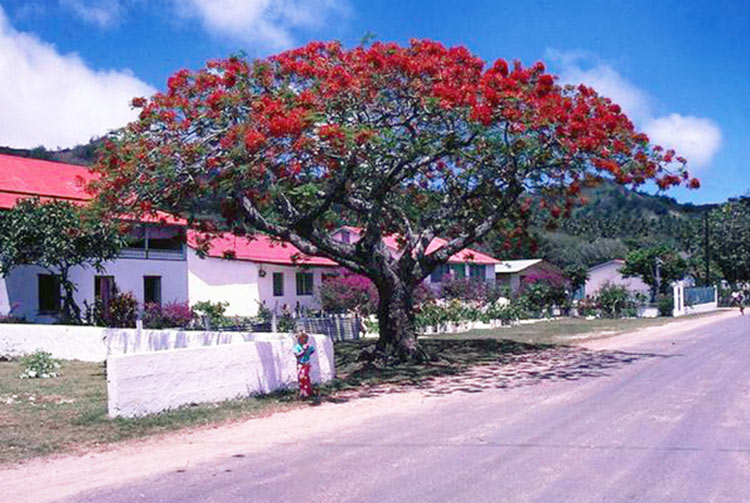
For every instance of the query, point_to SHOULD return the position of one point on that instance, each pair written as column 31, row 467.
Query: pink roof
column 259, row 248
column 467, row 255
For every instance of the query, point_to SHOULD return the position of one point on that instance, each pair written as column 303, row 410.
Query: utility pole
column 705, row 222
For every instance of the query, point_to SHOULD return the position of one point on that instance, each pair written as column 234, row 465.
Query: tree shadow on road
column 472, row 366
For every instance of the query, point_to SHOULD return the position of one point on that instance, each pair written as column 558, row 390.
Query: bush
column 39, row 365
column 615, row 301
column 348, row 292
column 539, row 296
column 665, row 304
column 170, row 315
column 286, row 322
column 212, row 314
column 122, row 313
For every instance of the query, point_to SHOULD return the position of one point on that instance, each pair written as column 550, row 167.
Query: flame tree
column 417, row 141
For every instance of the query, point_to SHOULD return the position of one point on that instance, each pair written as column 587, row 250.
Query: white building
column 159, row 265
column 250, row 272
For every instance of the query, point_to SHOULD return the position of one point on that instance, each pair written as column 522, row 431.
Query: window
column 278, row 284
column 458, row 271
column 49, row 293
column 104, row 290
column 476, row 272
column 152, row 289
column 437, row 274
column 304, row 283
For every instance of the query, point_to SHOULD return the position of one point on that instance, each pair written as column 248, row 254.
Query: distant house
column 468, row 263
column 609, row 272
column 512, row 273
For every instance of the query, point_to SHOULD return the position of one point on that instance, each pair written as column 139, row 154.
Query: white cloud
column 103, row 13
column 54, row 99
column 265, row 22
column 695, row 138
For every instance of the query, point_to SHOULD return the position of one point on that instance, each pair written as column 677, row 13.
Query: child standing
column 303, row 351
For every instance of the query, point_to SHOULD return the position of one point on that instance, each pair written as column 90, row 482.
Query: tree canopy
column 56, row 235
column 417, row 141
column 658, row 266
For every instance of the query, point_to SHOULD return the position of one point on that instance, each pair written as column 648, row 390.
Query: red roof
column 467, row 255
column 259, row 248
column 21, row 178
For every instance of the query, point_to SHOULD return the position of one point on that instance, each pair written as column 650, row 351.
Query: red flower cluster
column 312, row 110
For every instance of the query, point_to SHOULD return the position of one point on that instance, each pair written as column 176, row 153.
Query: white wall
column 95, row 344
column 220, row 280
column 21, row 285
column 239, row 283
column 611, row 273
column 139, row 384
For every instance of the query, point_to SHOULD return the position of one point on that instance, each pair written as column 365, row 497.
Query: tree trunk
column 398, row 335
column 71, row 313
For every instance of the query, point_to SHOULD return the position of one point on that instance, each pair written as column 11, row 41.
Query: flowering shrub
column 39, row 365
column 348, row 292
column 170, row 315
column 122, row 312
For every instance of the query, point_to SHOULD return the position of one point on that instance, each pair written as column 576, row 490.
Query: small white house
column 609, row 272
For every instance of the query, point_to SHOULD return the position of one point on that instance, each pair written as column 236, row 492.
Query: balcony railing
column 153, row 254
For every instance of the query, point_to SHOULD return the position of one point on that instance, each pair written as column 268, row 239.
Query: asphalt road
column 665, row 421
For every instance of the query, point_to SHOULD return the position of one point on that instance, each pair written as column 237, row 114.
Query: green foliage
column 122, row 312
column 56, row 235
column 212, row 314
column 729, row 239
column 539, row 297
column 616, row 301
column 576, row 275
column 646, row 262
column 39, row 365
column 665, row 304
column 286, row 322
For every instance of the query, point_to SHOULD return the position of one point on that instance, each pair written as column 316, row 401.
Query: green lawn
column 42, row 416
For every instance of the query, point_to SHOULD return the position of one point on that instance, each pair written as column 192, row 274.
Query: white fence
column 145, row 383
column 694, row 300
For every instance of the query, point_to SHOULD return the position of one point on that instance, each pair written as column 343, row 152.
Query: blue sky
column 679, row 68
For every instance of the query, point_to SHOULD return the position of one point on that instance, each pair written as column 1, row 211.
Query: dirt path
column 54, row 478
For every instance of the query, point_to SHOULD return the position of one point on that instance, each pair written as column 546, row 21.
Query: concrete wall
column 610, row 273
column 95, row 344
column 20, row 287
column 241, row 284
column 139, row 384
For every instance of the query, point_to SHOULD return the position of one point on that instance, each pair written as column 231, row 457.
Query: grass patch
column 43, row 416
column 568, row 330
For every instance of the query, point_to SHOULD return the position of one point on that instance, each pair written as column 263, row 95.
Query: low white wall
column 146, row 383
column 95, row 344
